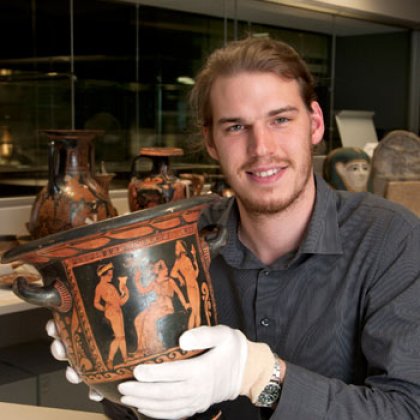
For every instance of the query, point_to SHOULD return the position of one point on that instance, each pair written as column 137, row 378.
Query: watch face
column 269, row 395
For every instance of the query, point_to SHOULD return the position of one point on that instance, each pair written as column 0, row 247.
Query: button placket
column 265, row 324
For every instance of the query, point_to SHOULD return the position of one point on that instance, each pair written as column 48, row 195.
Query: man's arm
column 390, row 343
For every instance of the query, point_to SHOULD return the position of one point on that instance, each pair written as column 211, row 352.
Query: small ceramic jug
column 160, row 185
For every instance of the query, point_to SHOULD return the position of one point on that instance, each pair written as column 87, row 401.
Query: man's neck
column 271, row 236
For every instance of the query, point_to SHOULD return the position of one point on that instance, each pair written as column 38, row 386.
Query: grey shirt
column 343, row 310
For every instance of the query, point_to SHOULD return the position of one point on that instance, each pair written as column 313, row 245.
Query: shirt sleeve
column 390, row 342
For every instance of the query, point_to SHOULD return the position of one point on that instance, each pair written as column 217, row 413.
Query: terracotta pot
column 72, row 197
column 123, row 290
column 160, row 185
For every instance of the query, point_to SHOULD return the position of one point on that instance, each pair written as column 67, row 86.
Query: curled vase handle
column 216, row 237
column 55, row 297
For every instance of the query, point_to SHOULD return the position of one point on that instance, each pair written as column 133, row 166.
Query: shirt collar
column 322, row 236
column 323, row 233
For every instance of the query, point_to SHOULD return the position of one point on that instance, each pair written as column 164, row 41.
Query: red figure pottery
column 123, row 290
column 160, row 185
column 72, row 197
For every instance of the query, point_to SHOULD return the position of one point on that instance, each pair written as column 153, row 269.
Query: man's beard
column 278, row 204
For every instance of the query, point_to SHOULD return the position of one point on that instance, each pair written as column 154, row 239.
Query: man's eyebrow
column 239, row 120
column 282, row 110
column 229, row 120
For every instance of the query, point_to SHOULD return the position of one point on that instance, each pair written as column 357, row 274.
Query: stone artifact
column 347, row 168
column 396, row 158
column 406, row 193
column 159, row 186
column 123, row 290
column 72, row 197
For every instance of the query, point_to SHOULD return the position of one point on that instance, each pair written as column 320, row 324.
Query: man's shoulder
column 370, row 207
column 217, row 211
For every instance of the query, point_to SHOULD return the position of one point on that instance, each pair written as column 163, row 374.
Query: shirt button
column 266, row 272
column 265, row 322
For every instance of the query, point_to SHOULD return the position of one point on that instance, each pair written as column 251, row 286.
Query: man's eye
column 235, row 128
column 281, row 120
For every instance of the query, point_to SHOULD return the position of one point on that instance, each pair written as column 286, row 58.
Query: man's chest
column 310, row 315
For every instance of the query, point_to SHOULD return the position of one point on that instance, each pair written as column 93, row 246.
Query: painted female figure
column 161, row 305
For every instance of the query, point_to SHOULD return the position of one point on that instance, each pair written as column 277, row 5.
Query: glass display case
column 126, row 67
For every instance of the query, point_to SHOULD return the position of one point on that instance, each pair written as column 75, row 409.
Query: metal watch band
column 272, row 391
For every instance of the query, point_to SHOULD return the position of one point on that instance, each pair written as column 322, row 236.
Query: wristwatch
column 272, row 391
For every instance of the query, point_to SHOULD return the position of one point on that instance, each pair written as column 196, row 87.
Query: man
column 317, row 291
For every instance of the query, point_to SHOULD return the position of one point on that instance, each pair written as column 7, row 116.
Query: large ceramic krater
column 123, row 290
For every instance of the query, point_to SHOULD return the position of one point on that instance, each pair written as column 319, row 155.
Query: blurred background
column 126, row 67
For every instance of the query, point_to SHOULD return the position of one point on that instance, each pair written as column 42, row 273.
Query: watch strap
column 270, row 395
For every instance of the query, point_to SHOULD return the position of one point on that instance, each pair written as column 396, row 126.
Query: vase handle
column 52, row 187
column 216, row 237
column 55, row 297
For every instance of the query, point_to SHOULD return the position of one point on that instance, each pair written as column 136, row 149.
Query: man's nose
column 261, row 141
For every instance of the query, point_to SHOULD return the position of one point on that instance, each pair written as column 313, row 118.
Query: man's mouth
column 266, row 173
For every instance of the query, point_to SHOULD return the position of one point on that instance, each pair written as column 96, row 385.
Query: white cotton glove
column 184, row 387
column 59, row 352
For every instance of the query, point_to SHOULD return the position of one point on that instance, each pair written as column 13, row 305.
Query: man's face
column 355, row 174
column 262, row 136
column 108, row 275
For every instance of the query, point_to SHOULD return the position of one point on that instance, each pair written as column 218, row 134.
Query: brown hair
column 249, row 55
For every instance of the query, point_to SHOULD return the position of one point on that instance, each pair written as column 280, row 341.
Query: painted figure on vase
column 162, row 288
column 186, row 271
column 347, row 168
column 109, row 300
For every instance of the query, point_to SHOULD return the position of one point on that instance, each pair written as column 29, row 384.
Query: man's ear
column 208, row 141
column 317, row 123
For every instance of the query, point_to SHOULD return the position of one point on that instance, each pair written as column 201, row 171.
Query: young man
column 317, row 291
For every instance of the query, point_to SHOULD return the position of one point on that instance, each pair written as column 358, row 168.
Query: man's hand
column 182, row 388
column 59, row 352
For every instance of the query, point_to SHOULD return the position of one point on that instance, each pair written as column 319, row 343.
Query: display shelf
column 10, row 303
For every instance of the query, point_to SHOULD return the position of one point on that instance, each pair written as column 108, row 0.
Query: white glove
column 182, row 388
column 59, row 352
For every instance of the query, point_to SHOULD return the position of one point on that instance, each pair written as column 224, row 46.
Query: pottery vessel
column 73, row 196
column 159, row 186
column 124, row 289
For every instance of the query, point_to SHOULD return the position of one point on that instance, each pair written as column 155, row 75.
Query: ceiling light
column 5, row 72
column 185, row 80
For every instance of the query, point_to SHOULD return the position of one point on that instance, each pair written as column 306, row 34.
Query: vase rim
column 161, row 151
column 103, row 226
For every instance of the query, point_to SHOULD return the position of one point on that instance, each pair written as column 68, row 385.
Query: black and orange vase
column 72, row 196
column 123, row 290
column 160, row 185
